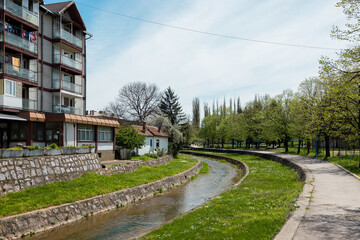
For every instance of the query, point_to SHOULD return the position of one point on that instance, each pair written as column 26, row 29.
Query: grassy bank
column 86, row 186
column 256, row 209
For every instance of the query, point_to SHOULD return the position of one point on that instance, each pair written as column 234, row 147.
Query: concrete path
column 334, row 211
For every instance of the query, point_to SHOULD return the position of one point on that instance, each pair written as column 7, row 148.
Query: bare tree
column 136, row 101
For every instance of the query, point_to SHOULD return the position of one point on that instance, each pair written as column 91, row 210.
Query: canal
column 144, row 216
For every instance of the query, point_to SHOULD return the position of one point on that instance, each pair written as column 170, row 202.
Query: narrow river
column 148, row 214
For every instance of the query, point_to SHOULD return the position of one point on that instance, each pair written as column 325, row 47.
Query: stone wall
column 23, row 224
column 20, row 173
column 17, row 174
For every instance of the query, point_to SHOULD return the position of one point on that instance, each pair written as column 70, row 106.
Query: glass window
column 18, row 131
column 38, row 132
column 157, row 143
column 10, row 88
column 86, row 132
column 105, row 134
column 150, row 142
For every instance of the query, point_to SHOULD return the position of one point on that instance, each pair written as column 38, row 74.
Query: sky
column 125, row 50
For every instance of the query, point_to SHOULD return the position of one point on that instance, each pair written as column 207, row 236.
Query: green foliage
column 87, row 186
column 52, row 146
column 127, row 137
column 144, row 157
column 33, row 147
column 256, row 209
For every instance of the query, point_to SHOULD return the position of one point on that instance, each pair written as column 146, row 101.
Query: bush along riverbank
column 256, row 209
column 87, row 186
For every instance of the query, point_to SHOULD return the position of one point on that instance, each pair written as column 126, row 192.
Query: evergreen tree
column 170, row 107
column 196, row 114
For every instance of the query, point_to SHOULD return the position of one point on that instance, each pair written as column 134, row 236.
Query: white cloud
column 197, row 65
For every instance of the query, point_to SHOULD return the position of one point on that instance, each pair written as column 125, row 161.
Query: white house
column 155, row 139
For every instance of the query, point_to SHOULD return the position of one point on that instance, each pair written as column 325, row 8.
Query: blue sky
column 196, row 65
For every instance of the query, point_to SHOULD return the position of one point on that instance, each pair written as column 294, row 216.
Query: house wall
column 70, row 134
column 163, row 144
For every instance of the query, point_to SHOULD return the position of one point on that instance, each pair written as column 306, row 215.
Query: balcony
column 67, row 109
column 21, row 72
column 72, row 87
column 29, row 104
column 62, row 34
column 59, row 58
column 18, row 41
column 21, row 12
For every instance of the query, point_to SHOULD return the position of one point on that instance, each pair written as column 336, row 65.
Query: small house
column 155, row 139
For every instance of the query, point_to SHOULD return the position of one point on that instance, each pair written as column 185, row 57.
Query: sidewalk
column 334, row 211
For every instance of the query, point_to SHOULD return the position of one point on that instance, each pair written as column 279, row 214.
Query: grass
column 256, row 209
column 87, row 186
column 205, row 168
column 142, row 157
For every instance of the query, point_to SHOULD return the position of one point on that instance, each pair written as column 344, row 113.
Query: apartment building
column 43, row 78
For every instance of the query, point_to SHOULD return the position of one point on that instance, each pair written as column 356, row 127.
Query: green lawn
column 87, row 186
column 142, row 157
column 256, row 209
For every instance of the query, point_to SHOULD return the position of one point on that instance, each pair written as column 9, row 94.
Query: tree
column 196, row 114
column 351, row 8
column 170, row 107
column 127, row 137
column 136, row 101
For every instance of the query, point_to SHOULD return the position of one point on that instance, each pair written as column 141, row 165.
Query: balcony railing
column 21, row 12
column 29, row 104
column 73, row 87
column 21, row 72
column 59, row 58
column 18, row 41
column 62, row 34
column 67, row 109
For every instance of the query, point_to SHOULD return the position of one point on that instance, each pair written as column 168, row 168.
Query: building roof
column 150, row 131
column 70, row 6
column 32, row 116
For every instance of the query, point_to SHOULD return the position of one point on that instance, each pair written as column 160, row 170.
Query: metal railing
column 73, row 87
column 18, row 41
column 21, row 72
column 29, row 104
column 62, row 34
column 59, row 58
column 22, row 12
column 67, row 109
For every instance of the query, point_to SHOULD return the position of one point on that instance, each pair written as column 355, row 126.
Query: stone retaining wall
column 20, row 173
column 17, row 174
column 14, row 227
column 133, row 167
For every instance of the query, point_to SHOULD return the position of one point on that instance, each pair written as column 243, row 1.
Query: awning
column 71, row 118
column 32, row 116
column 11, row 117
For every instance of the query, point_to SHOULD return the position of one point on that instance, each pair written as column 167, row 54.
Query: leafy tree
column 170, row 107
column 127, row 137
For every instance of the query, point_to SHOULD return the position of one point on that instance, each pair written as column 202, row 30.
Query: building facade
column 43, row 78
column 155, row 139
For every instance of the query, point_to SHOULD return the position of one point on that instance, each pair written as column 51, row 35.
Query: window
column 104, row 134
column 157, row 143
column 38, row 132
column 150, row 142
column 18, row 131
column 86, row 133
column 10, row 88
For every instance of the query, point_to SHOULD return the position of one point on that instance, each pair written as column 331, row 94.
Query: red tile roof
column 150, row 131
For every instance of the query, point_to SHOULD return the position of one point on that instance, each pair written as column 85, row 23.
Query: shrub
column 52, row 146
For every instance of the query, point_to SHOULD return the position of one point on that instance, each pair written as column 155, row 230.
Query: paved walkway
column 334, row 211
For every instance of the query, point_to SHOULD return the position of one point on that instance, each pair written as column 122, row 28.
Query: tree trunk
column 308, row 146
column 222, row 143
column 327, row 146
column 299, row 145
column 286, row 145
column 232, row 143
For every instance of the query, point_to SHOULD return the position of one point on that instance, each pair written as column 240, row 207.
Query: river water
column 144, row 216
